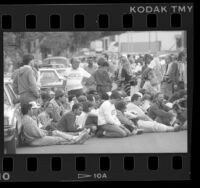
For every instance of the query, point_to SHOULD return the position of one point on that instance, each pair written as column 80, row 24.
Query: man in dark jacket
column 159, row 112
column 25, row 81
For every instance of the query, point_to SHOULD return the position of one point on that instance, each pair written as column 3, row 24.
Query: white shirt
column 82, row 119
column 108, row 114
column 134, row 108
column 74, row 78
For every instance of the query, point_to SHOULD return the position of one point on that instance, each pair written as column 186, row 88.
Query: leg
column 153, row 126
column 47, row 141
column 113, row 131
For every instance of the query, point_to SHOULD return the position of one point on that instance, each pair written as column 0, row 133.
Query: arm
column 123, row 119
column 161, row 113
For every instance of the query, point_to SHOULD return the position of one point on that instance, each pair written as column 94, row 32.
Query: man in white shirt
column 108, row 123
column 74, row 77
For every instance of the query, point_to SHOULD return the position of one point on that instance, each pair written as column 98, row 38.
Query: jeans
column 153, row 126
column 113, row 131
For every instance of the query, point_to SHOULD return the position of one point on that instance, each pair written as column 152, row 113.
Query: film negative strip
column 48, row 49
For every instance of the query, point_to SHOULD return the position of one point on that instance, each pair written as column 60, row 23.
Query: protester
column 25, row 81
column 32, row 135
column 55, row 107
column 69, row 122
column 74, row 77
column 108, row 123
column 102, row 78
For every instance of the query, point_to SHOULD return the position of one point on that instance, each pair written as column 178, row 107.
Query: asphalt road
column 173, row 142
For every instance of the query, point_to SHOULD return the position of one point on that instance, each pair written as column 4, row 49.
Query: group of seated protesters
column 73, row 120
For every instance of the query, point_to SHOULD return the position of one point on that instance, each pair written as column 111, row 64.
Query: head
column 136, row 99
column 147, row 58
column 82, row 99
column 115, row 97
column 26, row 109
column 104, row 96
column 35, row 108
column 121, row 106
column 60, row 96
column 181, row 56
column 27, row 59
column 87, row 106
column 168, row 59
column 77, row 109
column 90, row 62
column 45, row 97
column 101, row 61
column 159, row 98
column 75, row 63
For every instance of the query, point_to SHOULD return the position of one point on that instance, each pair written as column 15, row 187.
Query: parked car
column 12, row 118
column 57, row 60
column 50, row 79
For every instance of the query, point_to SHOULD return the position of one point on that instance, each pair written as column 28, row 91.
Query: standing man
column 25, row 81
column 90, row 83
column 74, row 77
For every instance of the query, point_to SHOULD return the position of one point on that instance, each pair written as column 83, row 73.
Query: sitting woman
column 32, row 135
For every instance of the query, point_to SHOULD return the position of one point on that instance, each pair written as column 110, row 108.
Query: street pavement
column 173, row 142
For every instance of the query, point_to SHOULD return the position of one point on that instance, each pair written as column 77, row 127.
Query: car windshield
column 48, row 77
column 56, row 61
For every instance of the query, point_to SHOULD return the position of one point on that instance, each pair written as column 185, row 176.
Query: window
column 48, row 77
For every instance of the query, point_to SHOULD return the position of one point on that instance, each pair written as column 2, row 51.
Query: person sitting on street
column 128, row 124
column 55, row 107
column 69, row 122
column 32, row 135
column 143, row 121
column 108, row 123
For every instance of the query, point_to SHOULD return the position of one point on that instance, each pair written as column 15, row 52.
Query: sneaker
column 177, row 127
column 137, row 131
column 100, row 133
column 81, row 139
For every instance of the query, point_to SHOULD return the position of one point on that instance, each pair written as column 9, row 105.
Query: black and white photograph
column 95, row 92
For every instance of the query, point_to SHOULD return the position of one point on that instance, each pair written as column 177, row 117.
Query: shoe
column 81, row 139
column 177, row 127
column 100, row 133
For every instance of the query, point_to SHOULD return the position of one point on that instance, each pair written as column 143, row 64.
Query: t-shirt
column 134, row 108
column 74, row 78
column 68, row 123
column 107, row 114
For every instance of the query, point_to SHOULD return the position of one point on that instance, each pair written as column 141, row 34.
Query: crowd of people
column 103, row 98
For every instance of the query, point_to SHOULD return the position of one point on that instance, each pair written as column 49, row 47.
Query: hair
column 27, row 58
column 180, row 56
column 70, row 97
column 135, row 97
column 82, row 98
column 59, row 94
column 45, row 96
column 76, row 106
column 90, row 97
column 86, row 105
column 120, row 105
column 104, row 96
column 115, row 95
column 25, row 108
column 156, row 96
column 143, row 91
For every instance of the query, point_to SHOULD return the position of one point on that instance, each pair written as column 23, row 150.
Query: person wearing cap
column 74, row 77
column 32, row 135
column 108, row 123
column 55, row 107
column 25, row 81
column 102, row 78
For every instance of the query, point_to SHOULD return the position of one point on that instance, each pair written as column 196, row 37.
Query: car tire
column 11, row 146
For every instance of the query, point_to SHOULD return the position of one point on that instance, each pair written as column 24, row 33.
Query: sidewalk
column 146, row 143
